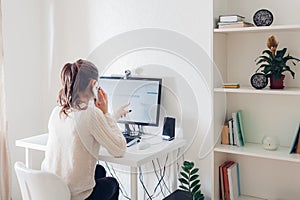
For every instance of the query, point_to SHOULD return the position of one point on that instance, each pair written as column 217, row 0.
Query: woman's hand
column 103, row 101
column 121, row 112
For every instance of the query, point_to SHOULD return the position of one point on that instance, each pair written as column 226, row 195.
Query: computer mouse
column 143, row 145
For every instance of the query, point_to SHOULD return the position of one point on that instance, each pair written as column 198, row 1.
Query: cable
column 140, row 128
column 163, row 175
column 133, row 127
column 123, row 188
column 120, row 183
column 142, row 182
column 154, row 196
column 178, row 151
column 144, row 187
column 157, row 177
column 160, row 179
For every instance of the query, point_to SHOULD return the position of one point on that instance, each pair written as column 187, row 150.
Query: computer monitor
column 143, row 94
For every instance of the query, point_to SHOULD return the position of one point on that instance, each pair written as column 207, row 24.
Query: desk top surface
column 133, row 156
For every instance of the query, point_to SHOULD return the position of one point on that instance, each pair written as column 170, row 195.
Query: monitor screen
column 143, row 94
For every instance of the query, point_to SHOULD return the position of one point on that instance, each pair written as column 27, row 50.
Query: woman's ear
column 90, row 87
column 92, row 82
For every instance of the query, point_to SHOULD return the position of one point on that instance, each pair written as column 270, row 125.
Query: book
column 298, row 145
column 231, row 136
column 241, row 127
column 238, row 128
column 231, row 18
column 233, row 181
column 295, row 143
column 239, row 24
column 225, row 134
column 238, row 179
column 225, row 180
column 235, row 129
column 222, row 191
column 231, row 85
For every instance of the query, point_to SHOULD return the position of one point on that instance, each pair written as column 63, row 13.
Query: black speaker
column 169, row 128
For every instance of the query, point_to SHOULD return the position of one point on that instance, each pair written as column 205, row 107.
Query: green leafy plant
column 273, row 62
column 190, row 180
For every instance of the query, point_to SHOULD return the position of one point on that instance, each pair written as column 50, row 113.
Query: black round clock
column 263, row 17
column 259, row 80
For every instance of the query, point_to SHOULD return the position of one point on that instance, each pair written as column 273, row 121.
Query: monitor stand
column 135, row 133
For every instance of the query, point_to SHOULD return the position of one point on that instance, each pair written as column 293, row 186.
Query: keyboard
column 131, row 140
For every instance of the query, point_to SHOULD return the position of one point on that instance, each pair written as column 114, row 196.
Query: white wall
column 23, row 73
column 36, row 47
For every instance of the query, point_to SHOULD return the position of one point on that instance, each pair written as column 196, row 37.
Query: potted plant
column 190, row 184
column 274, row 62
column 190, row 181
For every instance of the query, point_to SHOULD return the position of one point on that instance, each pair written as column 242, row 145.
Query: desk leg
column 28, row 157
column 133, row 183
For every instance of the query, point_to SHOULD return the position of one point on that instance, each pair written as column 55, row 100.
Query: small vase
column 278, row 84
column 270, row 143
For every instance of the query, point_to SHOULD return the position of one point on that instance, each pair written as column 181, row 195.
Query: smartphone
column 95, row 91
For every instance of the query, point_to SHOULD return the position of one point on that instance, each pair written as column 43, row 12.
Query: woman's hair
column 75, row 78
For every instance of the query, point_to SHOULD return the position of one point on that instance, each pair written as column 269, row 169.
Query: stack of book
column 232, row 21
column 229, row 181
column 296, row 142
column 233, row 130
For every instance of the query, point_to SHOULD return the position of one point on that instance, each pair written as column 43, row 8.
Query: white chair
column 37, row 185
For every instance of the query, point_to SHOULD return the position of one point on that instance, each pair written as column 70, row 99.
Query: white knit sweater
column 74, row 143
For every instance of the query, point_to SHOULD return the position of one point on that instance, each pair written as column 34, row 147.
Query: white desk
column 133, row 157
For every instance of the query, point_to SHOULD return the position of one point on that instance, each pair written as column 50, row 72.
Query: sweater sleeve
column 107, row 133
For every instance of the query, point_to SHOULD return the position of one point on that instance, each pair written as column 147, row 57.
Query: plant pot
column 180, row 195
column 276, row 84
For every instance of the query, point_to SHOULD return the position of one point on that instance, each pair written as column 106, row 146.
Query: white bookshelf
column 256, row 150
column 265, row 112
column 274, row 28
column 251, row 90
column 244, row 197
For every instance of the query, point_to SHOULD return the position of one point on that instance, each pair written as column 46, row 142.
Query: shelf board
column 251, row 90
column 259, row 29
column 256, row 150
column 245, row 197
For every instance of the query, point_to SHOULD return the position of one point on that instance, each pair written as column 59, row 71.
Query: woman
column 77, row 129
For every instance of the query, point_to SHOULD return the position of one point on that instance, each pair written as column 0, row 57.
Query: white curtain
column 5, row 179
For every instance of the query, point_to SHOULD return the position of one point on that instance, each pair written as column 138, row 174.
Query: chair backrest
column 37, row 185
